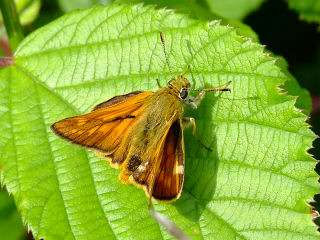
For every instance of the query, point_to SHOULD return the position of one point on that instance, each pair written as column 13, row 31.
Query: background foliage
column 283, row 32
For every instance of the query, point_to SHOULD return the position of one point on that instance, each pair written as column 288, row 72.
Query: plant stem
column 12, row 22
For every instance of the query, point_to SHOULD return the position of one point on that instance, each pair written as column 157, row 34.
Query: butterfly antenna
column 165, row 53
column 220, row 88
column 186, row 71
column 192, row 57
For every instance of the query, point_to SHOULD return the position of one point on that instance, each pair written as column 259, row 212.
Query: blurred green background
column 276, row 25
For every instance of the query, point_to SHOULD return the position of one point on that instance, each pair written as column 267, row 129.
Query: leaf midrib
column 166, row 76
column 77, row 111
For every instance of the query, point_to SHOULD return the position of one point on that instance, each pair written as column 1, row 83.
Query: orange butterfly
column 142, row 133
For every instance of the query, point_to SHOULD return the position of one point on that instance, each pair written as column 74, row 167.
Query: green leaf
column 198, row 9
column 257, row 182
column 293, row 88
column 234, row 9
column 11, row 227
column 69, row 5
column 28, row 11
column 308, row 9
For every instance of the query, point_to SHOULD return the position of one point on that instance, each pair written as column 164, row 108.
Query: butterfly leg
column 188, row 122
column 195, row 101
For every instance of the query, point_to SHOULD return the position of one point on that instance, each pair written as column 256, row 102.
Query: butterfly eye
column 183, row 93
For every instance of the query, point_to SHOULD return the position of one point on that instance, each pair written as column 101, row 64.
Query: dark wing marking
column 115, row 100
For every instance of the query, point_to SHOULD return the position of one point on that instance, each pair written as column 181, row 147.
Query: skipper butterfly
column 142, row 133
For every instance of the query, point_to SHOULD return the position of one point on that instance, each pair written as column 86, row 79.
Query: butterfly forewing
column 103, row 128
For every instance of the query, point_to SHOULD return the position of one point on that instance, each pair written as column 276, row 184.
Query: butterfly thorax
column 162, row 108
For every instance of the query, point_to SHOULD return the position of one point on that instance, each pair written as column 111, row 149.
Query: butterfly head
column 180, row 86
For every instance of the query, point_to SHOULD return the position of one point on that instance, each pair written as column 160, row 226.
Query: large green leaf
column 257, row 182
column 308, row 9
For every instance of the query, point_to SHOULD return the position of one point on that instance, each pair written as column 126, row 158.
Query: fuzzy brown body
column 155, row 147
column 142, row 133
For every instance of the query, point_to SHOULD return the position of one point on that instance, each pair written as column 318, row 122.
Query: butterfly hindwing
column 163, row 174
column 169, row 176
